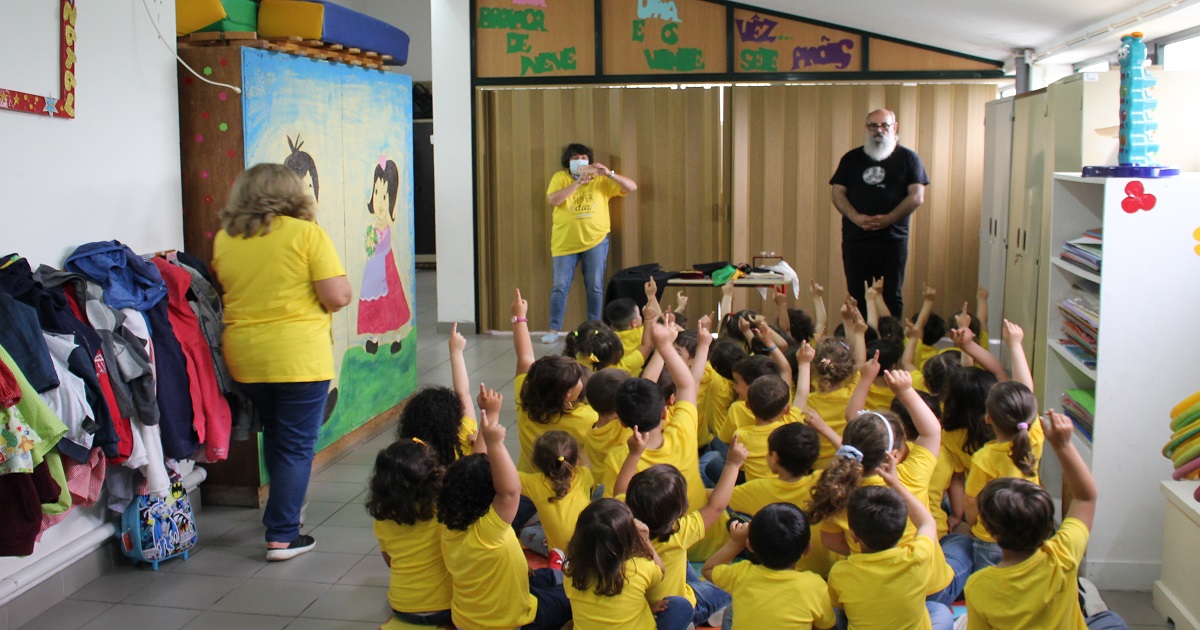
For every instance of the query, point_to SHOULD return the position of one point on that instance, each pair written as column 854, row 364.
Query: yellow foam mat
column 193, row 15
column 290, row 18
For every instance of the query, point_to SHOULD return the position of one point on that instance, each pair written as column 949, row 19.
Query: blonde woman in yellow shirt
column 493, row 588
column 612, row 569
column 282, row 281
column 1035, row 585
column 402, row 496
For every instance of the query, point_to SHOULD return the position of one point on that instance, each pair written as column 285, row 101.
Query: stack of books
column 1080, row 406
column 1080, row 327
column 1085, row 252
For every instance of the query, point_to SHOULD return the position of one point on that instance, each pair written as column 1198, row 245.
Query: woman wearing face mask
column 579, row 194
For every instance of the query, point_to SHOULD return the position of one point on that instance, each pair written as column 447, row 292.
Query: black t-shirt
column 876, row 188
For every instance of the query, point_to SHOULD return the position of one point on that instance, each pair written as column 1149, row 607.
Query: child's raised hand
column 745, row 327
column 738, row 454
column 727, row 289
column 911, row 330
column 858, row 325
column 662, row 333
column 845, row 311
column 681, row 300
column 739, row 532
column 899, row 381
column 981, row 294
column 637, row 443
column 815, row 288
column 805, row 353
column 887, row 470
column 962, row 337
column 929, row 293
column 520, row 308
column 1059, row 429
column 704, row 330
column 814, row 420
column 878, row 285
column 489, row 400
column 1013, row 334
column 870, row 369
column 781, row 300
column 869, row 291
column 493, row 431
column 651, row 288
column 963, row 318
column 458, row 343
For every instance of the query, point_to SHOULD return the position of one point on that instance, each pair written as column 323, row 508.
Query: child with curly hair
column 441, row 417
column 402, row 495
column 492, row 585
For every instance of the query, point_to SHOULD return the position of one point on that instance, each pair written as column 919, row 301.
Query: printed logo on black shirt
column 874, row 176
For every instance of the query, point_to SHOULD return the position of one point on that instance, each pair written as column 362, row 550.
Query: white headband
column 887, row 425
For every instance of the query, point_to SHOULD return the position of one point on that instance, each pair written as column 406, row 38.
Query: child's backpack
column 155, row 529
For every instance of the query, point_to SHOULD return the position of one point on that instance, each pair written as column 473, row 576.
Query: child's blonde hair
column 261, row 193
column 833, row 363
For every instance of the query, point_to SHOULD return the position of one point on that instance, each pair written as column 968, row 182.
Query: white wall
column 410, row 16
column 111, row 173
column 452, row 159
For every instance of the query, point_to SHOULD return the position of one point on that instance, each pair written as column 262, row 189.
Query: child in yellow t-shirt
column 833, row 371
column 658, row 497
column 717, row 393
column 771, row 592
column 612, row 570
column 559, row 491
column 1035, row 585
column 440, row 417
column 595, row 346
column 625, row 319
column 549, row 393
column 402, row 495
column 768, row 398
column 492, row 585
column 608, row 433
column 885, row 585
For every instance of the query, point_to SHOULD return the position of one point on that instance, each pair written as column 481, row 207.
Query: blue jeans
column 1107, row 620
column 594, row 261
column 712, row 462
column 291, row 415
column 677, row 616
column 987, row 554
column 709, row 597
column 959, row 550
column 553, row 610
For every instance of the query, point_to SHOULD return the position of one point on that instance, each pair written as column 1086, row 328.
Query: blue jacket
column 127, row 279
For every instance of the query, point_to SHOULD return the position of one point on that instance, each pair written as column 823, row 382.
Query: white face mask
column 575, row 164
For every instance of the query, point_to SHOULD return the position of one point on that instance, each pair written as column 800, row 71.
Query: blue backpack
column 155, row 529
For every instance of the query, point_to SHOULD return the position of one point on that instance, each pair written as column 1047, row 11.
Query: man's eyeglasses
column 879, row 126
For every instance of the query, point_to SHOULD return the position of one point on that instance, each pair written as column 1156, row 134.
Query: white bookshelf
column 1148, row 287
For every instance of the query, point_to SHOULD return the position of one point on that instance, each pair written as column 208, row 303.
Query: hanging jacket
column 174, row 396
column 127, row 279
column 22, row 335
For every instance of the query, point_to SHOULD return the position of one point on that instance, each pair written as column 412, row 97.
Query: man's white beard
column 878, row 148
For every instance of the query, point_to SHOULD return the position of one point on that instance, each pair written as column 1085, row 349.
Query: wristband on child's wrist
column 772, row 349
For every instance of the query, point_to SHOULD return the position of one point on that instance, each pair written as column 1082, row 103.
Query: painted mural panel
column 535, row 38
column 768, row 43
column 663, row 37
column 347, row 132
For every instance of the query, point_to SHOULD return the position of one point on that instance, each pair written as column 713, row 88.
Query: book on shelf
column 1095, row 234
column 1085, row 252
column 1088, row 359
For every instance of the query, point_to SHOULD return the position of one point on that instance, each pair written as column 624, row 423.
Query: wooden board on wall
column 889, row 56
column 664, row 37
column 781, row 193
column 768, row 43
column 676, row 217
column 525, row 40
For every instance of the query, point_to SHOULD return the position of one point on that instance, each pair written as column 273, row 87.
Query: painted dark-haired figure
column 579, row 194
column 302, row 164
column 382, row 306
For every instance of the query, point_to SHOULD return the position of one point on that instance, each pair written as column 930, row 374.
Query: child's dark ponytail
column 1012, row 408
column 556, row 454
column 595, row 345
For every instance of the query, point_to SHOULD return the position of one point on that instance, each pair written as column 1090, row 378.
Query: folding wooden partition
column 668, row 140
column 787, row 142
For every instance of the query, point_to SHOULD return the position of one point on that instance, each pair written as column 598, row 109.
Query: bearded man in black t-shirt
column 875, row 188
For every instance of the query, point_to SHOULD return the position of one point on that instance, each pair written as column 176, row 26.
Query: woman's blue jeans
column 594, row 261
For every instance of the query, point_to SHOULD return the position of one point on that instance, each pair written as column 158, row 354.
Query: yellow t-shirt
column 419, row 580
column 276, row 330
column 558, row 517
column 885, row 589
column 753, row 496
column 918, row 381
column 601, row 440
column 766, row 598
column 577, row 422
column 938, row 483
column 879, row 398
column 490, row 575
column 740, row 417
column 704, row 433
column 632, row 362
column 831, row 406
column 992, row 461
column 630, row 609
column 466, row 431
column 674, row 558
column 630, row 339
column 678, row 449
column 718, row 398
column 1040, row 592
column 581, row 222
column 755, row 439
column 924, row 353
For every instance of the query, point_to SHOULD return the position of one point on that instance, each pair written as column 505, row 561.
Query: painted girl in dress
column 382, row 306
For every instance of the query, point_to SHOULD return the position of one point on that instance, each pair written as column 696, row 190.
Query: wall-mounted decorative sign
column 62, row 105
column 663, row 37
column 768, row 43
column 535, row 38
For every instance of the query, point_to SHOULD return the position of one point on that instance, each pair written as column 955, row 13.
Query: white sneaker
column 303, row 544
column 550, row 337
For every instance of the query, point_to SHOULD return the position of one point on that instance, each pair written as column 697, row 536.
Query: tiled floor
column 227, row 585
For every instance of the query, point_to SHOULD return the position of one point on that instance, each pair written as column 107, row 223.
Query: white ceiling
column 994, row 29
